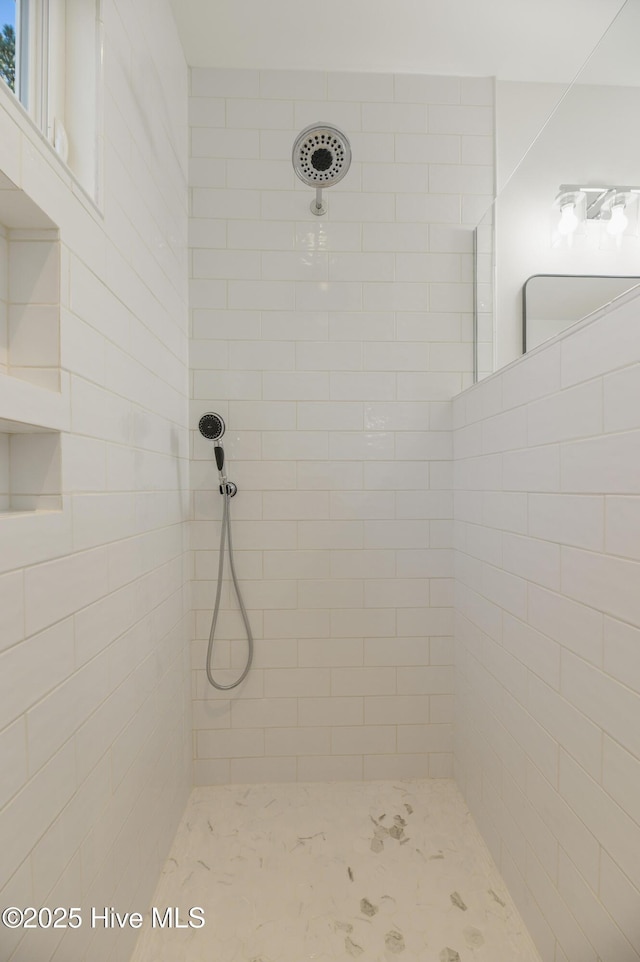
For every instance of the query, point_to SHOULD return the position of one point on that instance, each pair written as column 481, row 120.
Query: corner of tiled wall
column 95, row 708
column 547, row 526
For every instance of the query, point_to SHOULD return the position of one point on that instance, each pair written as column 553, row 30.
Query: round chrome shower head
column 321, row 155
column 211, row 426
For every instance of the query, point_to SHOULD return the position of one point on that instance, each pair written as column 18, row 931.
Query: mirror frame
column 621, row 277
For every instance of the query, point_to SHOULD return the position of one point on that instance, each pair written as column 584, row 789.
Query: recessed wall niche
column 30, row 469
column 29, row 290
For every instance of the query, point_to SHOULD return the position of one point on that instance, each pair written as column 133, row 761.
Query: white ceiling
column 542, row 40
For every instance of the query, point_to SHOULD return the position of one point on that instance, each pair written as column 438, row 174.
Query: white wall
column 522, row 110
column 509, row 39
column 332, row 347
column 94, row 674
column 547, row 509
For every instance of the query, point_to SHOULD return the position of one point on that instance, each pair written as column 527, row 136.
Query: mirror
column 590, row 140
column 552, row 302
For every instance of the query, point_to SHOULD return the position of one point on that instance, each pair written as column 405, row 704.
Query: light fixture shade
column 568, row 215
column 618, row 222
column 568, row 219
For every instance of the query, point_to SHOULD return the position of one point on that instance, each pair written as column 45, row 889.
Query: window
column 8, row 20
column 50, row 57
column 22, row 53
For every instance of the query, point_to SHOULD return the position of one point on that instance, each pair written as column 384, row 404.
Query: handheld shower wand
column 212, row 427
column 218, row 450
column 226, row 487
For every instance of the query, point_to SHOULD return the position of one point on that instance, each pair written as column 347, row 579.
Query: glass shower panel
column 483, row 306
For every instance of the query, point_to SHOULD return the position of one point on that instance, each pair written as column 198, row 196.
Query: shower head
column 321, row 157
column 211, row 426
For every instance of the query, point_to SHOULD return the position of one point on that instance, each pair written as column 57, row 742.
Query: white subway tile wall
column 95, row 729
column 547, row 741
column 332, row 346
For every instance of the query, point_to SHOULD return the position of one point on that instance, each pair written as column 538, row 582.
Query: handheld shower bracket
column 228, row 487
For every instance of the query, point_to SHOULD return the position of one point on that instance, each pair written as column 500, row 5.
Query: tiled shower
column 441, row 584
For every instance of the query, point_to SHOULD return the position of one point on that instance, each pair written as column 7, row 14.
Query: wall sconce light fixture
column 614, row 207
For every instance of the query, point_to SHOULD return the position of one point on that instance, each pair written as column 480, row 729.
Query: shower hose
column 225, row 536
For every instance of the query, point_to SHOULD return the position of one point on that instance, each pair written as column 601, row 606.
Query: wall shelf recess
column 33, row 396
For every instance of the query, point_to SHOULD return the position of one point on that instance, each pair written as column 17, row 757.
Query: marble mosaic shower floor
column 378, row 871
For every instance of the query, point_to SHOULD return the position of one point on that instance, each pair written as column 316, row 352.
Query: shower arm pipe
column 318, row 206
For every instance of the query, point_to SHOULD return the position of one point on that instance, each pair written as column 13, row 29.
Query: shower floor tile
column 379, row 871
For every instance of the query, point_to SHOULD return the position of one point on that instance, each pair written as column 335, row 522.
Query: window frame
column 52, row 33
